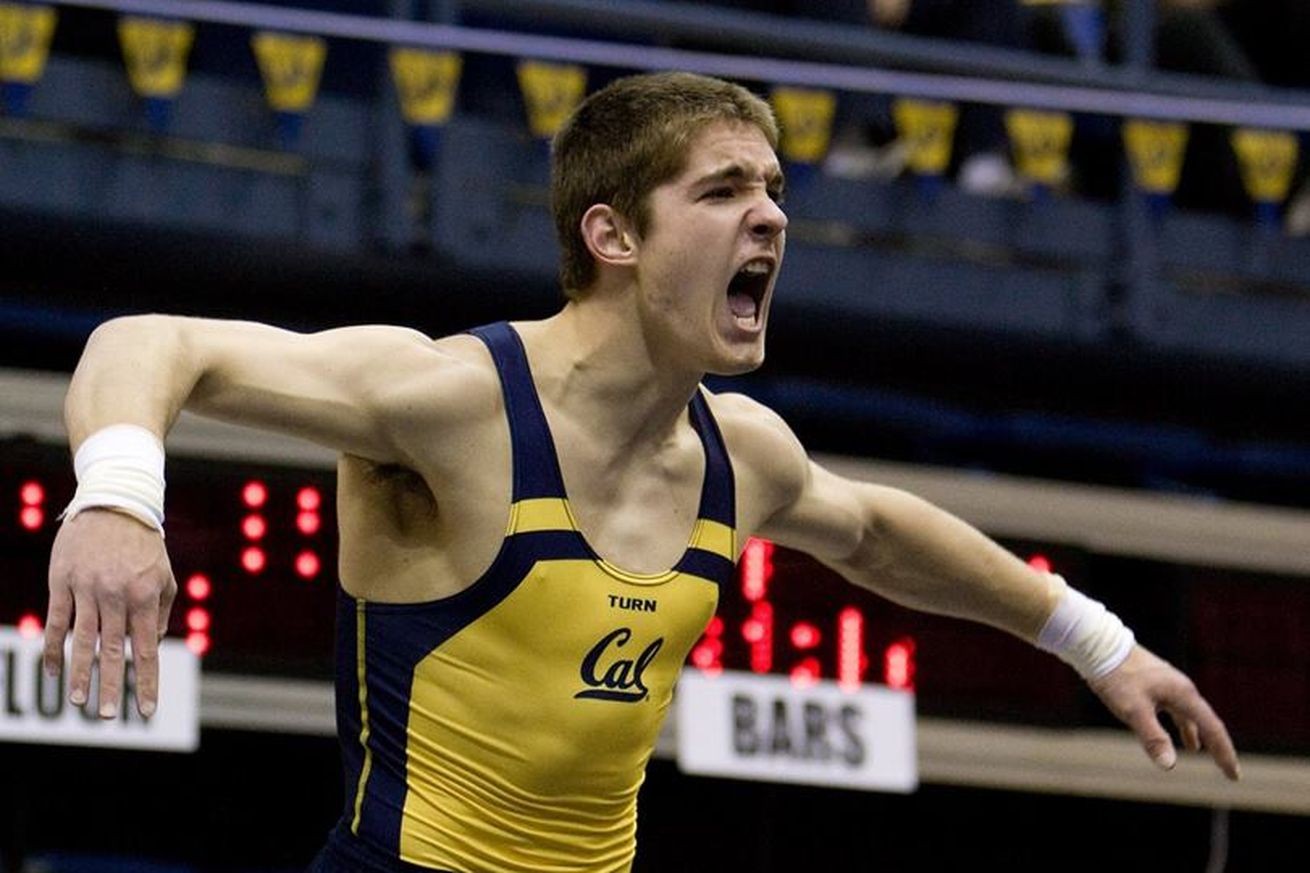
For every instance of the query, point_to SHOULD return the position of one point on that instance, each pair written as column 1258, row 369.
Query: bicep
column 825, row 516
column 333, row 387
column 785, row 495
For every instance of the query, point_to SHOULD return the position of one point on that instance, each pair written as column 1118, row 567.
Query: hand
column 112, row 572
column 1144, row 685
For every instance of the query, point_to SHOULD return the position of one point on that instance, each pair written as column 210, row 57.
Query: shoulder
column 770, row 462
column 783, row 495
column 430, row 386
column 452, row 374
column 747, row 423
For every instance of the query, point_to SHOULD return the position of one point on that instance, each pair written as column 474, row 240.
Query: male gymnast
column 502, row 493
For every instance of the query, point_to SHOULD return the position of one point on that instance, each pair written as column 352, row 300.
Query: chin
column 746, row 361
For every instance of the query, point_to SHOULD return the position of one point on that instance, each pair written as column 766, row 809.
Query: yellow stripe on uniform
column 541, row 513
column 716, row 537
column 363, row 714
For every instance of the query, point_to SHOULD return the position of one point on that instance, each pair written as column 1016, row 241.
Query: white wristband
column 120, row 467
column 1085, row 635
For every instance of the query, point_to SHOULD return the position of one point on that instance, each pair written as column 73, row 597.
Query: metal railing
column 1114, row 94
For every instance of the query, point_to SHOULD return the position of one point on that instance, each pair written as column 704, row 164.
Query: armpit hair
column 405, row 483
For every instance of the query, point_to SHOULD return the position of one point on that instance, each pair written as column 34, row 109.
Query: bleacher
column 900, row 277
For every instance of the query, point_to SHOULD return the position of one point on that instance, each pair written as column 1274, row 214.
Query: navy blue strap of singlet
column 536, row 467
column 718, row 499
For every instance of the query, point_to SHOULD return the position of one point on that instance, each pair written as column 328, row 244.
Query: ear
column 608, row 236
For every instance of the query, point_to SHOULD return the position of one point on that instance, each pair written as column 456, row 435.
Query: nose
column 767, row 220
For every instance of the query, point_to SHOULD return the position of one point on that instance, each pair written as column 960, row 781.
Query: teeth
column 755, row 268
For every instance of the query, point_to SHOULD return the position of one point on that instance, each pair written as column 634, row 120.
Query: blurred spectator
column 1190, row 37
column 980, row 161
column 1274, row 35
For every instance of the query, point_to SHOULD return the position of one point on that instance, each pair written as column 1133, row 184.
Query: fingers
column 144, row 624
column 1155, row 740
column 1188, row 730
column 57, row 620
column 1191, row 734
column 166, row 605
column 111, row 580
column 113, row 631
column 86, row 627
column 1214, row 736
column 1144, row 685
column 1201, row 729
column 107, row 621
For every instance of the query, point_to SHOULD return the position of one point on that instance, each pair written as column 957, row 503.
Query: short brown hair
column 626, row 140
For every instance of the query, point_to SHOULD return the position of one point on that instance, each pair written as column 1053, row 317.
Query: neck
column 593, row 359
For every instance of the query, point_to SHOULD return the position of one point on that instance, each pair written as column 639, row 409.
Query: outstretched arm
column 110, row 578
column 920, row 556
column 331, row 387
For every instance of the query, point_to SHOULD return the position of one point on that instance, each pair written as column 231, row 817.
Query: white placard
column 750, row 726
column 34, row 707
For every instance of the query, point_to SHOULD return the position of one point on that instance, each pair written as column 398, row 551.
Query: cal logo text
column 609, row 676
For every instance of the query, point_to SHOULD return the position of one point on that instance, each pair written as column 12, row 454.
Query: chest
column 574, row 668
column 635, row 508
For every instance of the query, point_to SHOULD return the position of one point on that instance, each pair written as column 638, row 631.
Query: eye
column 778, row 196
column 723, row 192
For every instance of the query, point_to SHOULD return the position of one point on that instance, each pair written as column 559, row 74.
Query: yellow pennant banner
column 25, row 33
column 1156, row 150
column 551, row 92
column 291, row 67
column 805, row 116
column 426, row 82
column 1041, row 144
column 1268, row 160
column 929, row 129
column 155, row 52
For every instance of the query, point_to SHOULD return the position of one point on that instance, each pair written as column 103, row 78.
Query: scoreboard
column 253, row 547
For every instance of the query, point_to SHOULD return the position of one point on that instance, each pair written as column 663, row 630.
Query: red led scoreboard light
column 249, row 545
column 31, row 497
column 254, row 549
column 776, row 643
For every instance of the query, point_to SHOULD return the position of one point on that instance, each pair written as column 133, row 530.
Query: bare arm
column 920, row 556
column 913, row 553
column 333, row 387
column 350, row 389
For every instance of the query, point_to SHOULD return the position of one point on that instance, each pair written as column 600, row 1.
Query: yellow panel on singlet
column 538, row 721
column 508, row 728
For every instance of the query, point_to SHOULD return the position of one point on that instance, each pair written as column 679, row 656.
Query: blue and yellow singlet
column 507, row 727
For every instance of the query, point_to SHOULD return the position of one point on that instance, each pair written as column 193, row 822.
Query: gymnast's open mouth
column 748, row 287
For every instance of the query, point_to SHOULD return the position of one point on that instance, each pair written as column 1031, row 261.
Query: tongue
column 742, row 305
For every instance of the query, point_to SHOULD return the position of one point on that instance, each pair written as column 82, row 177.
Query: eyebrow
column 775, row 181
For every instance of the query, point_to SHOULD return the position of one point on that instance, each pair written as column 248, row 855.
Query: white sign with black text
column 34, row 707
column 749, row 726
